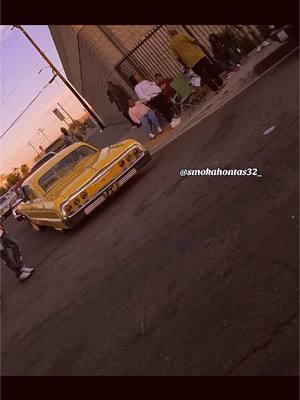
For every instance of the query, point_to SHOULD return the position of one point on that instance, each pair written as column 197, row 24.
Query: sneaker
column 258, row 49
column 24, row 276
column 152, row 135
column 26, row 269
column 159, row 130
column 175, row 122
column 266, row 43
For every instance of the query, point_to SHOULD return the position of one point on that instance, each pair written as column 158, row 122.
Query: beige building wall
column 88, row 57
column 129, row 35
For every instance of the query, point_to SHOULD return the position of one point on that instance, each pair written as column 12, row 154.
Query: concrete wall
column 88, row 57
column 67, row 47
column 129, row 35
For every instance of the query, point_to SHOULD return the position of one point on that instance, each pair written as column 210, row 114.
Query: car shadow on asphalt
column 107, row 206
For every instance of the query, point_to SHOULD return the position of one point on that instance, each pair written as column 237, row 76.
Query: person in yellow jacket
column 189, row 53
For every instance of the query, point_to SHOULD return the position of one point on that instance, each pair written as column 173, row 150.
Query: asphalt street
column 176, row 275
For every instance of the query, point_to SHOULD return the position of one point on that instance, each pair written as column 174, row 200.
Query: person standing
column 68, row 139
column 141, row 114
column 149, row 92
column 118, row 95
column 224, row 53
column 189, row 53
column 13, row 261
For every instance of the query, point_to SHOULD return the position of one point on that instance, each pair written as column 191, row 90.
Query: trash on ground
column 269, row 130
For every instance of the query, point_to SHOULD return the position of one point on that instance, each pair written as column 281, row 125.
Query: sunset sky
column 20, row 81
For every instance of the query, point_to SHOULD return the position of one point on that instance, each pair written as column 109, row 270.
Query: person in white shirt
column 142, row 114
column 148, row 92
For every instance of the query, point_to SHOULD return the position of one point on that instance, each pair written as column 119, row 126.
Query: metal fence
column 152, row 54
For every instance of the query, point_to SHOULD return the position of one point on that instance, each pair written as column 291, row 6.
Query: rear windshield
column 3, row 200
column 64, row 166
column 41, row 162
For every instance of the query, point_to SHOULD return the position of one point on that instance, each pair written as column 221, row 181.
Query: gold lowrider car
column 76, row 181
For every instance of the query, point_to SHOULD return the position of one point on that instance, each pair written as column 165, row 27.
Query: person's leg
column 233, row 56
column 10, row 262
column 17, row 255
column 200, row 70
column 212, row 78
column 153, row 119
column 213, row 74
column 161, row 104
column 146, row 124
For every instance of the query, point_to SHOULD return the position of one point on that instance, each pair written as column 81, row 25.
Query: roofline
column 53, row 161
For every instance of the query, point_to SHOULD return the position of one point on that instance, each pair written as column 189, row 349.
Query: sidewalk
column 237, row 83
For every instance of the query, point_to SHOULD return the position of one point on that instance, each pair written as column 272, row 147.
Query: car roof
column 53, row 161
column 41, row 161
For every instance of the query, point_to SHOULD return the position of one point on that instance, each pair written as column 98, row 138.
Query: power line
column 25, row 78
column 25, row 109
column 18, row 151
column 19, row 84
column 6, row 36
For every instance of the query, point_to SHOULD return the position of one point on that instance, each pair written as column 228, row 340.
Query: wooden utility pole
column 65, row 81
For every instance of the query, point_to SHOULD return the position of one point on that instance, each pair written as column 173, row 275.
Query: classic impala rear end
column 106, row 182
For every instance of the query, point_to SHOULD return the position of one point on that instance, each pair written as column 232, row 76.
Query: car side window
column 29, row 192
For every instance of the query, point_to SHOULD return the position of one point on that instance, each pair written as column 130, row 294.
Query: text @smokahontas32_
column 220, row 172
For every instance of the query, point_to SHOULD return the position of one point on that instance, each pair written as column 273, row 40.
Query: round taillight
column 83, row 195
column 129, row 157
column 68, row 208
column 136, row 152
column 76, row 201
column 121, row 163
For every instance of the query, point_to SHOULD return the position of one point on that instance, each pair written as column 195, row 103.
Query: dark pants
column 228, row 60
column 160, row 102
column 206, row 70
column 12, row 255
column 126, row 115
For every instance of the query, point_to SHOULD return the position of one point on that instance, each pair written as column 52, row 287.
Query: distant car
column 11, row 196
column 5, row 206
column 18, row 200
column 17, row 216
column 77, row 180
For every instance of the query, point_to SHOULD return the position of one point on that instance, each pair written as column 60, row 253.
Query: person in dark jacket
column 12, row 256
column 118, row 95
column 224, row 52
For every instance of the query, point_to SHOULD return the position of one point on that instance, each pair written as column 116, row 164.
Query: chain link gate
column 152, row 54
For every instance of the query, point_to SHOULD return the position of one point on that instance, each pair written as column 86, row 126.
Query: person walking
column 189, row 53
column 149, row 92
column 12, row 256
column 118, row 95
column 141, row 114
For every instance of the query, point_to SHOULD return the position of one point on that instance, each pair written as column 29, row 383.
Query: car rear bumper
column 107, row 192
